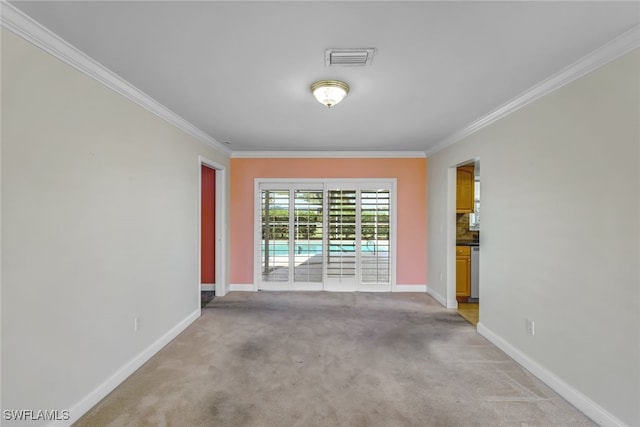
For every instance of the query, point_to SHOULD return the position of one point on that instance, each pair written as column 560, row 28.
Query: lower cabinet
column 463, row 273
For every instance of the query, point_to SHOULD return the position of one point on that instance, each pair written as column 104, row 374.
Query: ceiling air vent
column 348, row 57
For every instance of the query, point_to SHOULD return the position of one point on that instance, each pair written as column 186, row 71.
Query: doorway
column 207, row 235
column 212, row 235
column 467, row 240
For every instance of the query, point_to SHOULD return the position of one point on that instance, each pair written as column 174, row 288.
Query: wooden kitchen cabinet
column 464, row 189
column 463, row 273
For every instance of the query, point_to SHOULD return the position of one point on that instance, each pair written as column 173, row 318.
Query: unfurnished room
column 320, row 213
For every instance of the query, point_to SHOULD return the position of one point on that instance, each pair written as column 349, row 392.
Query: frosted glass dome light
column 329, row 92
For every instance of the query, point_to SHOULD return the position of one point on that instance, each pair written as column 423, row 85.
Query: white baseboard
column 590, row 408
column 208, row 287
column 442, row 300
column 82, row 407
column 409, row 288
column 242, row 287
column 249, row 287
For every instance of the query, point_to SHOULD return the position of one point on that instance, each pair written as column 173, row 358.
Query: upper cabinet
column 464, row 189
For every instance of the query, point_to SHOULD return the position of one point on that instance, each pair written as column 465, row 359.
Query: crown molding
column 614, row 49
column 327, row 154
column 25, row 27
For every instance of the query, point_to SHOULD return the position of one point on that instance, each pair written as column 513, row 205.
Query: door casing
column 324, row 184
column 221, row 285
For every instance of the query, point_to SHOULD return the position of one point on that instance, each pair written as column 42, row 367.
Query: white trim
column 208, row 287
column 590, row 408
column 325, row 184
column 393, row 238
column 288, row 181
column 327, row 154
column 257, row 231
column 221, row 224
column 1, row 258
column 450, row 236
column 436, row 296
column 199, row 250
column 362, row 288
column 614, row 49
column 243, row 287
column 307, row 287
column 410, row 288
column 89, row 401
column 23, row 26
column 222, row 176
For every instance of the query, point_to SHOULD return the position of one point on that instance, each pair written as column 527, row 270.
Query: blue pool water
column 308, row 248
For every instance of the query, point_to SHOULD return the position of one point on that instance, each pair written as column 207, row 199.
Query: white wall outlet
column 136, row 324
column 531, row 327
column 441, row 276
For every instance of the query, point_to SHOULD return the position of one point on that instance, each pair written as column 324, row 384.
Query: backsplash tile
column 462, row 228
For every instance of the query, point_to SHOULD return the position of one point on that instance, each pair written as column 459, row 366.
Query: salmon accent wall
column 411, row 175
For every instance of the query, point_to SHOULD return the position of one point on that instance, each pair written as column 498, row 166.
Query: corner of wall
column 86, row 403
column 442, row 300
column 579, row 400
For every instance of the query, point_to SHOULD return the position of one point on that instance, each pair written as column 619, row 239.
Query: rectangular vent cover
column 348, row 57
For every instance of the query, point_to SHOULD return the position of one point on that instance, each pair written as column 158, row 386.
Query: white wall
column 99, row 225
column 559, row 235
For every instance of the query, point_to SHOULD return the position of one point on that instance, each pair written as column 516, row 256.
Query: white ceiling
column 240, row 71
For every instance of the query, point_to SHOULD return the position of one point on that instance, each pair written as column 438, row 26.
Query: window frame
column 324, row 184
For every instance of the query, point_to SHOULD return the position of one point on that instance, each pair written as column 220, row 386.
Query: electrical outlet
column 136, row 324
column 441, row 276
column 531, row 327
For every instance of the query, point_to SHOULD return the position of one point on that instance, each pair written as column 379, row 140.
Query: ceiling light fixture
column 329, row 92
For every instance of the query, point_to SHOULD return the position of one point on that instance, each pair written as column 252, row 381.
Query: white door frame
column 452, row 181
column 221, row 286
column 323, row 183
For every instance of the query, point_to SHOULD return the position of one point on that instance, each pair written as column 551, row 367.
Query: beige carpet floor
column 331, row 359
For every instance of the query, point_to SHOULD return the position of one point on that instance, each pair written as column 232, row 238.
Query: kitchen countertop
column 467, row 243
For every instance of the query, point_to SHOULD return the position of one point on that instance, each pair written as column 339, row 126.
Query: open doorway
column 207, row 234
column 467, row 250
column 212, row 277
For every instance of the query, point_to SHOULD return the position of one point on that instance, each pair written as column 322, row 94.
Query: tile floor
column 469, row 311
